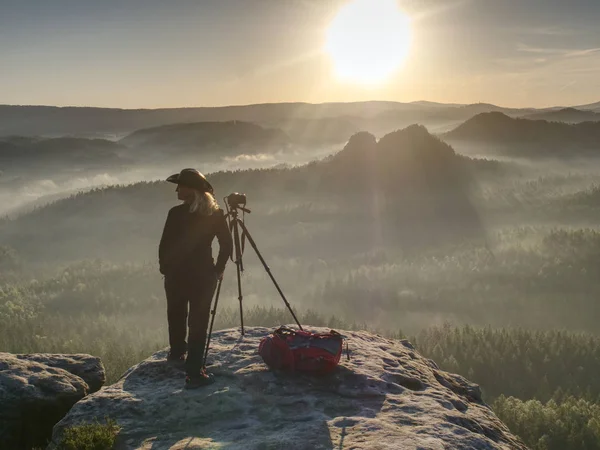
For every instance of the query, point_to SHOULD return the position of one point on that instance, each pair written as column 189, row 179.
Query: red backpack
column 302, row 351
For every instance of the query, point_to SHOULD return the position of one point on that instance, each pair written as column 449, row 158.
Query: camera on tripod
column 235, row 200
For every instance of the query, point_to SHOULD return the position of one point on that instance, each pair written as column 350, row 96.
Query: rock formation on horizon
column 386, row 396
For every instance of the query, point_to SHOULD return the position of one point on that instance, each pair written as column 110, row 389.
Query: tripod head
column 236, row 201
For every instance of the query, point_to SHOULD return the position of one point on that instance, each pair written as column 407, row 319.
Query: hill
column 58, row 151
column 529, row 137
column 434, row 104
column 413, row 177
column 567, row 115
column 478, row 108
column 590, row 106
column 441, row 117
column 33, row 167
column 410, row 158
column 223, row 138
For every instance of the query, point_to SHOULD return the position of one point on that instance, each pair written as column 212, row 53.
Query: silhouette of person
column 190, row 273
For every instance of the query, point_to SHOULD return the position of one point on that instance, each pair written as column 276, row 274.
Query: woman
column 185, row 259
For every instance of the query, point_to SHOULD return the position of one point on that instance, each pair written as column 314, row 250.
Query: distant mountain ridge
column 590, row 106
column 566, row 115
column 88, row 121
column 58, row 150
column 42, row 120
column 538, row 135
column 227, row 137
column 303, row 122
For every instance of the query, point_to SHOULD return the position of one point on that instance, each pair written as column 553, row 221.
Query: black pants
column 197, row 292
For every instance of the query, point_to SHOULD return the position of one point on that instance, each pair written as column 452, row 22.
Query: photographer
column 191, row 276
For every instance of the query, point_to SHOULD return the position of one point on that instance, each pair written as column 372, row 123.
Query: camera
column 236, row 200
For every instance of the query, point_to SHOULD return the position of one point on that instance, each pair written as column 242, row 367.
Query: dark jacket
column 185, row 245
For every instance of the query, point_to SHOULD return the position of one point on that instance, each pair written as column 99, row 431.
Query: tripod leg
column 212, row 322
column 239, row 268
column 240, row 296
column 253, row 244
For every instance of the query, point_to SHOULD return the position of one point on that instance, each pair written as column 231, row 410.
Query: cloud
column 524, row 48
column 254, row 158
column 568, row 85
column 585, row 52
column 549, row 31
column 557, row 30
column 439, row 9
column 569, row 53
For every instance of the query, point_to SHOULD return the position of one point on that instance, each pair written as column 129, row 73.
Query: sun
column 368, row 40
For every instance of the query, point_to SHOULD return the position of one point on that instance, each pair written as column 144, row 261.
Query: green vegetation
column 572, row 423
column 516, row 362
column 91, row 436
column 9, row 260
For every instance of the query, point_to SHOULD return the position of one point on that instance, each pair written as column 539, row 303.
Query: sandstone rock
column 89, row 368
column 34, row 396
column 386, row 396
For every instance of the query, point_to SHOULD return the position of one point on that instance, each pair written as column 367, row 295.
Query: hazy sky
column 150, row 53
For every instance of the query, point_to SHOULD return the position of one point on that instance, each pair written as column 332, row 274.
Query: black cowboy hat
column 193, row 179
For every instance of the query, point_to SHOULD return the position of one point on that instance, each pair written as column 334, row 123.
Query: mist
column 29, row 186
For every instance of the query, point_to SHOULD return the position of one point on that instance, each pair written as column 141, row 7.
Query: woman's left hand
column 219, row 275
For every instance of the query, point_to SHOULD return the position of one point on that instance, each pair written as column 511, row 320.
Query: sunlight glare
column 368, row 40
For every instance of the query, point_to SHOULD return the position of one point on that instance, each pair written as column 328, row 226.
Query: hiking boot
column 202, row 379
column 176, row 359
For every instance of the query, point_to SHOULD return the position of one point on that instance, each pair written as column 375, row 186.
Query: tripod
column 234, row 225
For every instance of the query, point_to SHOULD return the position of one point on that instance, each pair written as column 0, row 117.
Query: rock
column 87, row 367
column 386, row 396
column 34, row 395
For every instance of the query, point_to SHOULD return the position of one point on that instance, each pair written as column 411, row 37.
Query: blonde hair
column 204, row 203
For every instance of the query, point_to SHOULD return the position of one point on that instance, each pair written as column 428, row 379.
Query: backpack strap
column 285, row 331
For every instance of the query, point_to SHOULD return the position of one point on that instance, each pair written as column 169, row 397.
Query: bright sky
column 157, row 53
